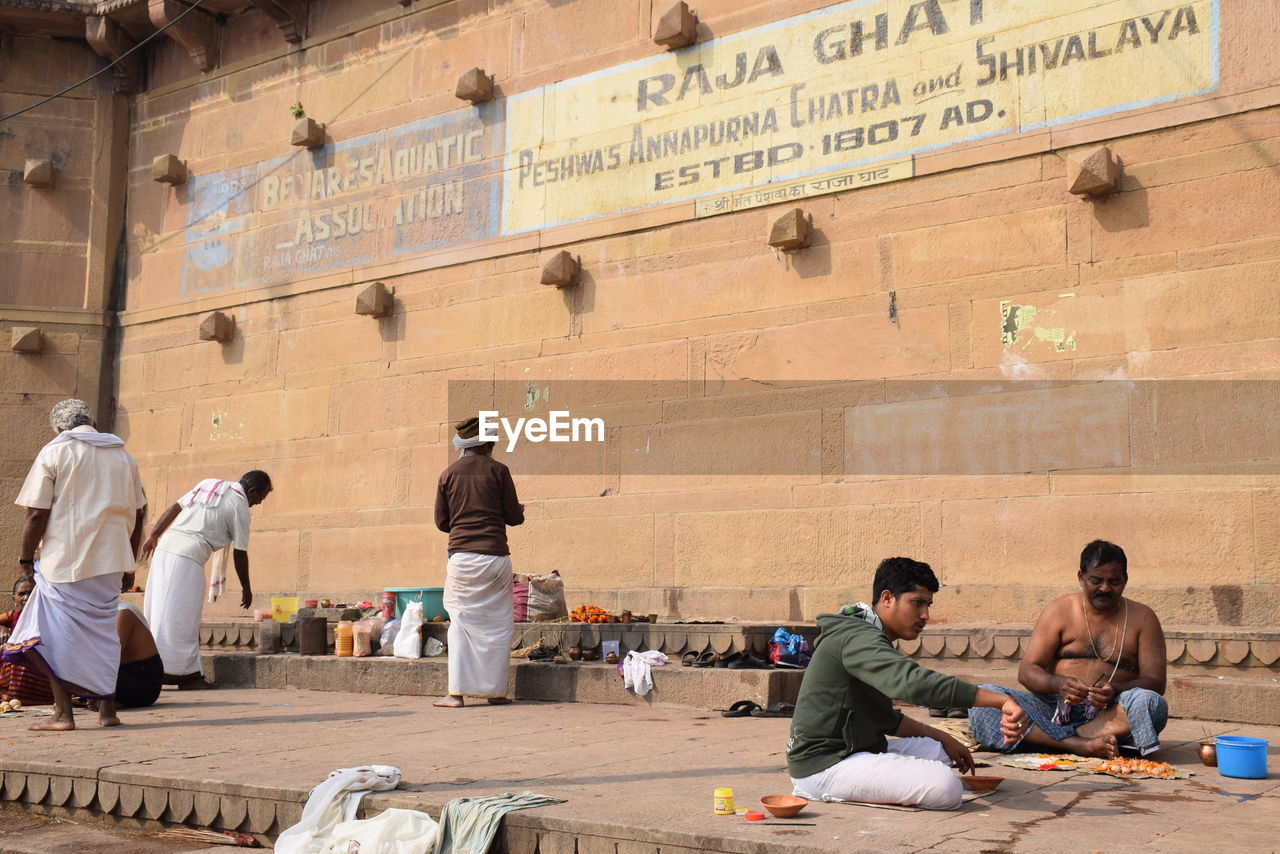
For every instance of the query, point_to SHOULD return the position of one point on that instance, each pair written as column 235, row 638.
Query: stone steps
column 567, row 682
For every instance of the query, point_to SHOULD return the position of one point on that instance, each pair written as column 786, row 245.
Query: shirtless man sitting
column 1095, row 668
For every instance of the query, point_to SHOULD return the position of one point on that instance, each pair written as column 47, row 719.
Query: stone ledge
column 1189, row 647
column 569, row 682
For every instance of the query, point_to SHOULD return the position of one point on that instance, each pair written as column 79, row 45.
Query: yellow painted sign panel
column 795, row 105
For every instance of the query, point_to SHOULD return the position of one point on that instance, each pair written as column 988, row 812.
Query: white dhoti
column 71, row 627
column 914, row 772
column 173, row 604
column 477, row 595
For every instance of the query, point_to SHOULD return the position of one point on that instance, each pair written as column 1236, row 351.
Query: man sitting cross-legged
column 838, row 749
column 1095, row 668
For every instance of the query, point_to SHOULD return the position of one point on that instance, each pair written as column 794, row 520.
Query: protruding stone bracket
column 1095, row 173
column 375, row 300
column 168, row 169
column 40, row 174
column 197, row 32
column 27, row 339
column 790, row 231
column 217, row 326
column 677, row 27
column 290, row 16
column 307, row 132
column 110, row 41
column 475, row 86
column 561, row 270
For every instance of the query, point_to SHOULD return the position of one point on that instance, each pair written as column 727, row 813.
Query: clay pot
column 574, row 653
column 625, row 617
column 980, row 784
column 783, row 806
column 590, row 655
column 1208, row 753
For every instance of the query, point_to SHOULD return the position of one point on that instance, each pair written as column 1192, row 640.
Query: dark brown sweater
column 475, row 501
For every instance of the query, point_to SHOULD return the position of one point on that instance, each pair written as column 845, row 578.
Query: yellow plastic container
column 344, row 641
column 283, row 607
column 722, row 803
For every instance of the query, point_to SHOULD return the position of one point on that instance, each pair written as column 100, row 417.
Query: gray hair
column 69, row 414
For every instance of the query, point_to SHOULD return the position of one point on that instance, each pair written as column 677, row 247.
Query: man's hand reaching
column 246, row 598
column 959, row 754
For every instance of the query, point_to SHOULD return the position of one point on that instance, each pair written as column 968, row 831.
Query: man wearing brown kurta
column 475, row 502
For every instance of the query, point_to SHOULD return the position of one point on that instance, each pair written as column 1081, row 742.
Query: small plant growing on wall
column 296, row 110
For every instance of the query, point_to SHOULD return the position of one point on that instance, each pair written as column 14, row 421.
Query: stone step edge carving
column 519, row 833
column 1223, row 648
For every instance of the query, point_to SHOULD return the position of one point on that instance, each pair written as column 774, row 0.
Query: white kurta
column 173, row 603
column 71, row 627
column 477, row 595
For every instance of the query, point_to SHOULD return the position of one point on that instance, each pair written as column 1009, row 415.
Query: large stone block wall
column 1172, row 277
column 57, row 251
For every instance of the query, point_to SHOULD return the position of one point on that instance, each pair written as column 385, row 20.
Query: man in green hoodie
column 838, row 750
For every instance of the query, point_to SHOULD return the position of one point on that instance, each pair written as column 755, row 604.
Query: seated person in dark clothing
column 141, row 670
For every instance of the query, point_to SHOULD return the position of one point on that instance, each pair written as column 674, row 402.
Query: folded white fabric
column 635, row 670
column 394, row 831
column 334, row 801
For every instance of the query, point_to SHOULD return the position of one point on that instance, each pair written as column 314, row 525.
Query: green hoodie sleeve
column 891, row 673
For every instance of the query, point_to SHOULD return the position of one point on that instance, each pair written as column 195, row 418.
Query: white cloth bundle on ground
column 334, row 801
column 635, row 670
column 393, row 831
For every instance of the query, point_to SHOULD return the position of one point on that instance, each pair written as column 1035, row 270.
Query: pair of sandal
column 543, row 653
column 746, row 708
column 733, row 661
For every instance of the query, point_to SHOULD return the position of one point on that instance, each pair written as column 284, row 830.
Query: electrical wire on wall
column 110, row 65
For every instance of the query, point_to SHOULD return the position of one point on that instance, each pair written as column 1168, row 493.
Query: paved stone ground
column 641, row 775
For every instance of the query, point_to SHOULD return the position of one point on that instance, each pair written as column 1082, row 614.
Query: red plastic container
column 388, row 605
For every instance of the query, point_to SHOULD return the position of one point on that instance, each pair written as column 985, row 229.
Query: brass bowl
column 1208, row 752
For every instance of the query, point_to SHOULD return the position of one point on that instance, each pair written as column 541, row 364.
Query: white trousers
column 173, row 604
column 915, row 772
column 477, row 595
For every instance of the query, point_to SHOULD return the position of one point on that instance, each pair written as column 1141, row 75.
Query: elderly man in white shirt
column 85, row 505
column 212, row 516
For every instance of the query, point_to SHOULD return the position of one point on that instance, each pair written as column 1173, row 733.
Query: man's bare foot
column 499, row 701
column 109, row 721
column 450, row 702
column 198, row 684
column 54, row 724
column 1102, row 746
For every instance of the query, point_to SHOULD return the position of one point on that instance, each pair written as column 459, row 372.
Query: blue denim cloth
column 1146, row 711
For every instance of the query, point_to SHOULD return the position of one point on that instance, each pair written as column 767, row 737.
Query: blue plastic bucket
column 1240, row 756
column 432, row 599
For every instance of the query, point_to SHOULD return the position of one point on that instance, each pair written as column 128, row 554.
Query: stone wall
column 1172, row 277
column 57, row 251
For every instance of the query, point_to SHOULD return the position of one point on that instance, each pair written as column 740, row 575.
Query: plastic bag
column 361, row 638
column 388, row 635
column 546, row 598
column 789, row 650
column 409, row 638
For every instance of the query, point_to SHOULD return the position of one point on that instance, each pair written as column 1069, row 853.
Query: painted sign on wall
column 425, row 185
column 835, row 99
column 815, row 95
